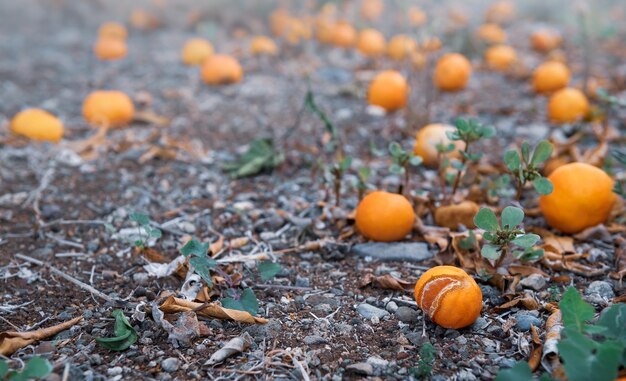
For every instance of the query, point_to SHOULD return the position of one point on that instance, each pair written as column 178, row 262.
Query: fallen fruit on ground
column 112, row 30
column 37, row 124
column 567, row 106
column 108, row 108
column 500, row 12
column 263, row 45
column 372, row 9
column 417, row 17
column 109, row 49
column 550, row 76
column 491, row 33
column 449, row 296
column 221, row 69
column 196, row 51
column 383, row 216
column 400, row 46
column 427, row 140
column 344, row 34
column 452, row 72
column 371, row 43
column 388, row 90
column 451, row 216
column 583, row 197
column 500, row 57
column 545, row 40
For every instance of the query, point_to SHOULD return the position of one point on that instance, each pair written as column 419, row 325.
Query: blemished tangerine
column 196, row 51
column 449, row 296
column 109, row 49
column 385, row 217
column 388, row 90
column 500, row 57
column 371, row 43
column 550, row 76
column 263, row 45
column 545, row 40
column 37, row 124
column 582, row 197
column 427, row 140
column 567, row 106
column 491, row 33
column 109, row 108
column 400, row 47
column 221, row 69
column 452, row 72
column 112, row 30
column 344, row 34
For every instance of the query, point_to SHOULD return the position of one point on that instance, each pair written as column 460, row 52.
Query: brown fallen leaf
column 433, row 234
column 233, row 347
column 550, row 357
column 11, row 341
column 553, row 243
column 184, row 330
column 386, row 281
column 524, row 300
column 620, row 260
column 526, row 270
column 451, row 216
column 212, row 310
column 535, row 356
column 150, row 117
column 237, row 243
column 568, row 263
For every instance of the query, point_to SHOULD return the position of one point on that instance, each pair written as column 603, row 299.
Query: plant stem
column 457, row 180
column 407, row 179
column 337, row 187
column 520, row 187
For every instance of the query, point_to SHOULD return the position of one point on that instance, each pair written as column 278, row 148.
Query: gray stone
column 115, row 371
column 170, row 365
column 391, row 307
column 599, row 292
column 377, row 362
column 141, row 278
column 406, row 314
column 525, row 318
column 361, row 368
column 302, row 281
column 368, row 311
column 314, row 339
column 534, row 281
column 396, row 251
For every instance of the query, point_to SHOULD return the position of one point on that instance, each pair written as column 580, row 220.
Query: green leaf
column 140, row 218
column 155, row 233
column 576, row 312
column 486, row 220
column 512, row 160
column 584, row 359
column 261, row 155
column 512, row 217
column 195, row 247
column 490, row 252
column 396, row 169
column 525, row 152
column 614, row 320
column 520, row 372
column 268, row 269
column 202, row 266
column 312, row 106
column 246, row 302
column 542, row 152
column 530, row 255
column 542, row 185
column 526, row 240
column 37, row 367
column 395, row 150
column 125, row 334
column 416, row 160
column 4, row 368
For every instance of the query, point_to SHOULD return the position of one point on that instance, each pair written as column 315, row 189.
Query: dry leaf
column 524, row 300
column 217, row 246
column 186, row 328
column 12, row 341
column 451, row 216
column 386, row 281
column 237, row 243
column 212, row 310
column 526, row 270
column 620, row 260
column 433, row 234
column 151, row 118
column 233, row 347
column 550, row 358
column 599, row 232
column 553, row 243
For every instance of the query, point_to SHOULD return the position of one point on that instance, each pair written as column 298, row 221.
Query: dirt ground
column 55, row 203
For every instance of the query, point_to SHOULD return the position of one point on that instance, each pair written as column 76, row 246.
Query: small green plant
column 468, row 131
column 260, row 156
column 499, row 186
column 588, row 351
column 401, row 162
column 525, row 169
column 363, row 174
column 202, row 264
column 125, row 334
column 35, row 368
column 311, row 105
column 620, row 185
column 425, row 364
column 145, row 230
column 507, row 237
column 337, row 171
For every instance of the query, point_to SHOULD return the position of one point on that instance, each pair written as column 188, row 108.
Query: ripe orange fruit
column 324, row 30
column 109, row 49
column 196, row 51
column 449, row 296
column 431, row 44
column 452, row 72
column 567, row 105
column 144, row 20
column 344, row 34
column 583, row 197
column 371, row 42
column 108, row 108
column 417, row 17
column 500, row 12
column 263, row 45
column 400, row 46
column 491, row 33
column 500, row 57
column 427, row 140
column 297, row 30
column 112, row 30
column 388, row 90
column 385, row 217
column 550, row 76
column 372, row 9
column 545, row 40
column 221, row 69
column 37, row 124
column 279, row 18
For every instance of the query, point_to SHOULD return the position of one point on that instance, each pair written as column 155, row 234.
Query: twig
column 281, row 287
column 69, row 278
column 303, row 372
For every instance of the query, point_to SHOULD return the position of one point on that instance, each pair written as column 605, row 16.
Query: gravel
column 368, row 311
column 396, row 251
